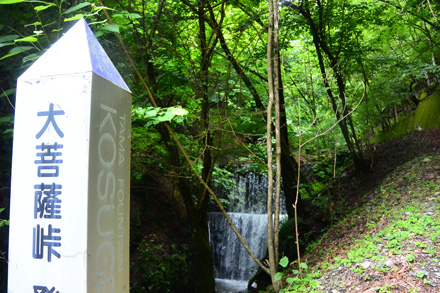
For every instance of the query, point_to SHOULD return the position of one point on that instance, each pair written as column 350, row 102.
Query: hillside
column 390, row 243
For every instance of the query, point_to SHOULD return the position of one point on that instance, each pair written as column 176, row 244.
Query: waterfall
column 231, row 261
column 247, row 210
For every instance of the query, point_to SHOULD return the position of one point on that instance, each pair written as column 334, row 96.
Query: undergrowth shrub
column 160, row 269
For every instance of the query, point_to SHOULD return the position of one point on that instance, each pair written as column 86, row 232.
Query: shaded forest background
column 348, row 71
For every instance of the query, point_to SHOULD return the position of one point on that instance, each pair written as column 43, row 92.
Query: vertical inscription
column 106, row 187
column 121, row 196
column 111, row 194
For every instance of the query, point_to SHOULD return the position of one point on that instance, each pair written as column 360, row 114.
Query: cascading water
column 230, row 258
column 247, row 210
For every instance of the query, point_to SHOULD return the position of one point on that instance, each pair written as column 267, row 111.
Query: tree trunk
column 289, row 166
column 272, row 74
column 203, row 263
column 345, row 122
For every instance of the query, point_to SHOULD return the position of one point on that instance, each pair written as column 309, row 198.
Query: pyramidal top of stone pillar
column 76, row 52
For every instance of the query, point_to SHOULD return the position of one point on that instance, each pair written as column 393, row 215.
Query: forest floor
column 390, row 241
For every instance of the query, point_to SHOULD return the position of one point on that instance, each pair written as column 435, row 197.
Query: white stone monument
column 69, row 219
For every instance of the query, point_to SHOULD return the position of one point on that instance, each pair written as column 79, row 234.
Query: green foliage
column 149, row 153
column 2, row 221
column 225, row 185
column 404, row 227
column 392, row 51
column 422, row 119
column 304, row 282
column 153, row 116
column 159, row 269
column 384, row 289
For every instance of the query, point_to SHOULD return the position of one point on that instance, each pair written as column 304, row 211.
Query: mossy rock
column 425, row 117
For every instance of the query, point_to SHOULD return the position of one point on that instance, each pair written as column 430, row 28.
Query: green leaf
column 284, row 261
column 290, row 280
column 8, row 38
column 278, row 276
column 34, row 24
column 44, row 2
column 31, row 39
column 6, row 119
column 76, row 7
column 179, row 111
column 134, row 15
column 41, row 7
column 17, row 50
column 296, row 272
column 167, row 116
column 5, row 44
column 30, row 57
column 7, row 93
column 4, row 222
column 303, row 265
column 11, row 1
column 76, row 17
column 125, row 15
column 111, row 28
column 150, row 112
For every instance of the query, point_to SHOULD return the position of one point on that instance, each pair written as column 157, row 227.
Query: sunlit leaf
column 11, row 1
column 284, row 261
column 41, row 7
column 179, row 111
column 27, row 39
column 34, row 24
column 151, row 113
column 76, row 17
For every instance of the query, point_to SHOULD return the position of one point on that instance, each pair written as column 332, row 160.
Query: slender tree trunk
column 289, row 165
column 345, row 121
column 203, row 262
column 272, row 74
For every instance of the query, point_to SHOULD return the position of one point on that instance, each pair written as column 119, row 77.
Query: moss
column 427, row 114
column 425, row 117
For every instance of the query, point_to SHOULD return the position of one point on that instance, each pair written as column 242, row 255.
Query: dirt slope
column 390, row 243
